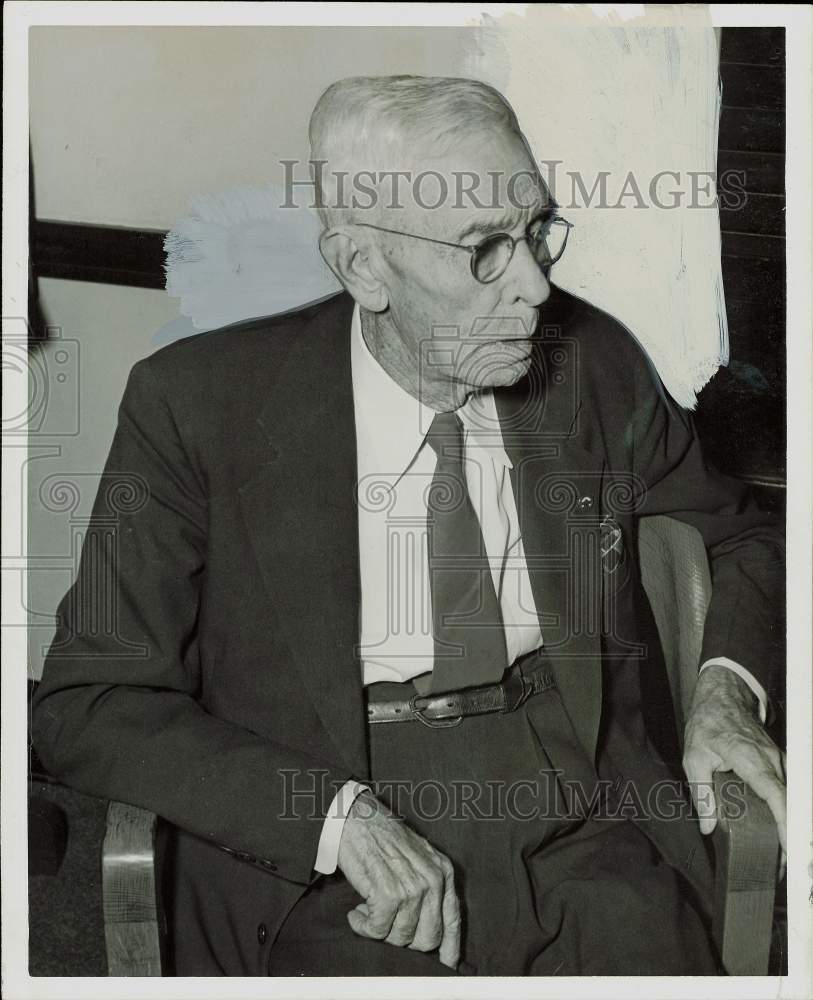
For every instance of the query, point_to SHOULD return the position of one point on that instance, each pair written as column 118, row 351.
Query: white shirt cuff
column 756, row 688
column 327, row 853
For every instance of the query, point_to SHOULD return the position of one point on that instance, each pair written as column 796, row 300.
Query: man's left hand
column 723, row 733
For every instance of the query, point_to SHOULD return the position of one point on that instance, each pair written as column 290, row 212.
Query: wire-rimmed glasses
column 546, row 236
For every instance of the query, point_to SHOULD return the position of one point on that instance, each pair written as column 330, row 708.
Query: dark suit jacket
column 228, row 696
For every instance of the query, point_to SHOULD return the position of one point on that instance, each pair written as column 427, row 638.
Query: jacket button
column 245, row 857
column 268, row 864
column 262, row 933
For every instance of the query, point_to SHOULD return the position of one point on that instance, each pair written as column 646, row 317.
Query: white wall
column 80, row 375
column 126, row 125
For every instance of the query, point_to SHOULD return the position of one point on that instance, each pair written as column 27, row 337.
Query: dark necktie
column 467, row 624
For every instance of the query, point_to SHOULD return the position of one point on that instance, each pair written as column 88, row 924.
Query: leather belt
column 443, row 710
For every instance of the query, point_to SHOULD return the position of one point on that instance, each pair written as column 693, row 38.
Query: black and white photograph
column 407, row 522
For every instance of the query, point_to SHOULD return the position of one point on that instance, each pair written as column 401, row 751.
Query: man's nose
column 528, row 281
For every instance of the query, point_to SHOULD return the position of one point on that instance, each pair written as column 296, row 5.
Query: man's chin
column 513, row 373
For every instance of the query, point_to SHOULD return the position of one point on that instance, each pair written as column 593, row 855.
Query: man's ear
column 350, row 262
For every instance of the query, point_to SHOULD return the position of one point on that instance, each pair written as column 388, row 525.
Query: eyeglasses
column 545, row 235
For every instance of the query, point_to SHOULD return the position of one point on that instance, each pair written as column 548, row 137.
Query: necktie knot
column 445, row 435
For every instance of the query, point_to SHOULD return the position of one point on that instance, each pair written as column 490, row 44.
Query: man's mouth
column 520, row 328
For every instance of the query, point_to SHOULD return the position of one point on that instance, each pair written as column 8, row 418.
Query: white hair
column 377, row 122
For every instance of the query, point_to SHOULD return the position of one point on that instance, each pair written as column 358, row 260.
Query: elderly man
column 383, row 659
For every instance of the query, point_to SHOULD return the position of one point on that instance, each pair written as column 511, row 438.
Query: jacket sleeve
column 117, row 712
column 745, row 544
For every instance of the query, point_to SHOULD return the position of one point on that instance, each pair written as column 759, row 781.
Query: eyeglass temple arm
column 414, row 236
column 445, row 243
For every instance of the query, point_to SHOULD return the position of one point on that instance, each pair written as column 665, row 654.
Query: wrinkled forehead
column 489, row 182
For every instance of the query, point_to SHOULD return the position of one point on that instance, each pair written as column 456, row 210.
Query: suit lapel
column 301, row 515
column 557, row 482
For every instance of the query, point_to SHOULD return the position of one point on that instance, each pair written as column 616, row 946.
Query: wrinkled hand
column 407, row 885
column 723, row 733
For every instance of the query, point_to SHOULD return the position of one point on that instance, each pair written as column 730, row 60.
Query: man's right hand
column 407, row 885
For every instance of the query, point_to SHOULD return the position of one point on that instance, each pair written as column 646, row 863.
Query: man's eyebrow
column 506, row 222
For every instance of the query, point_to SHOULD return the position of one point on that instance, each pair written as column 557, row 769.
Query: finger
column 370, row 922
column 782, row 831
column 449, row 953
column 359, row 920
column 698, row 767
column 764, row 783
column 772, row 757
column 405, row 924
column 429, row 931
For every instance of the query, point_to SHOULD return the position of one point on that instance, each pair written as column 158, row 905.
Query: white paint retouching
column 622, row 116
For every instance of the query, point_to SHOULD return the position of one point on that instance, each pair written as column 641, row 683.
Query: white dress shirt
column 395, row 469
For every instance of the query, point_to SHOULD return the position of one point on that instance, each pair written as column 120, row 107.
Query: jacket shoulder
column 215, row 384
column 589, row 325
column 610, row 356
column 241, row 347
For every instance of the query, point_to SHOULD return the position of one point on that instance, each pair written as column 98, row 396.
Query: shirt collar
column 480, row 419
column 391, row 424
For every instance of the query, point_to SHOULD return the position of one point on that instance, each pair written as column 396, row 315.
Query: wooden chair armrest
column 746, row 847
column 129, row 896
column 675, row 575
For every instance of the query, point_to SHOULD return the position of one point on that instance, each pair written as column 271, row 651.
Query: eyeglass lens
column 546, row 240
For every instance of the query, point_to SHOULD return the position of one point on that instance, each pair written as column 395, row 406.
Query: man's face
column 457, row 330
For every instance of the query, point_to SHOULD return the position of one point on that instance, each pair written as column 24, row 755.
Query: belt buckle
column 517, row 690
column 449, row 723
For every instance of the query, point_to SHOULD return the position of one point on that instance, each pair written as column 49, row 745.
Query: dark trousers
column 554, row 876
